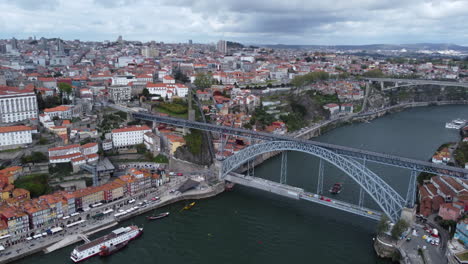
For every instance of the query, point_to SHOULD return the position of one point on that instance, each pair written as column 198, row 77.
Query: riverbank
column 60, row 240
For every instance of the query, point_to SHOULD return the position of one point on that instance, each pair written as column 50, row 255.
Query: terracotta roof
column 65, row 147
column 9, row 129
column 89, row 145
column 131, row 128
column 59, row 108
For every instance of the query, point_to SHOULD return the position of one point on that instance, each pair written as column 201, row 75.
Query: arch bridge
column 390, row 201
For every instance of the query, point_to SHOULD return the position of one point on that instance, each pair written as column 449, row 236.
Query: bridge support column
column 382, row 86
column 320, row 177
column 411, row 194
column 361, row 190
column 284, row 167
column 361, row 197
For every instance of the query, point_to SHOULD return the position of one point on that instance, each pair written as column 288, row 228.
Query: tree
column 374, row 74
column 146, row 93
column 181, row 77
column 141, row 148
column 203, row 81
column 384, row 224
column 65, row 88
column 399, row 228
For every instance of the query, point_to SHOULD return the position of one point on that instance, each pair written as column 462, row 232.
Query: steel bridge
column 352, row 161
column 412, row 82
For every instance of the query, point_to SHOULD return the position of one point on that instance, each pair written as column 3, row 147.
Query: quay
column 81, row 232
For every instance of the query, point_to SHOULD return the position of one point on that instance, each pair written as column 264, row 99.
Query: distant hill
column 234, row 45
column 375, row 47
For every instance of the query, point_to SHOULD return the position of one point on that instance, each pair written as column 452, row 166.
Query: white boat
column 455, row 124
column 116, row 237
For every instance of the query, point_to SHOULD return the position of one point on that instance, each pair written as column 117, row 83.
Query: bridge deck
column 387, row 159
column 300, row 194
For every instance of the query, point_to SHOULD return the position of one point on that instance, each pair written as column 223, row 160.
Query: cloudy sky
column 247, row 21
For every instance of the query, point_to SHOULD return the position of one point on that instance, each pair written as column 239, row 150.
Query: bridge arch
column 383, row 194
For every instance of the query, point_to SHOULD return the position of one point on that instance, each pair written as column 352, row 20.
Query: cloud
column 261, row 21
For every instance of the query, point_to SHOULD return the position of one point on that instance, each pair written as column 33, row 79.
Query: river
column 249, row 226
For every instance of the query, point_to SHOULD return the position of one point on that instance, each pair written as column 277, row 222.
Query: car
column 180, row 174
column 172, row 191
column 131, row 201
column 408, row 238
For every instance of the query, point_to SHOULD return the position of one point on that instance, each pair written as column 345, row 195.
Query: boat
column 154, row 217
column 113, row 240
column 229, row 186
column 108, row 250
column 190, row 205
column 456, row 124
column 336, row 188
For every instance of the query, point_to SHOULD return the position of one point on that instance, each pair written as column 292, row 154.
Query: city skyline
column 294, row 22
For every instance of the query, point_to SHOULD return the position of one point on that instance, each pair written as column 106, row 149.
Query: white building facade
column 129, row 136
column 13, row 136
column 17, row 105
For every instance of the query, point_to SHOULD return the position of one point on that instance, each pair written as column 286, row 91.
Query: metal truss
column 284, row 167
column 384, row 195
column 411, row 194
column 320, row 177
column 386, row 159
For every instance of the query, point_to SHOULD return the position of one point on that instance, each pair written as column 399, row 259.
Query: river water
column 250, row 226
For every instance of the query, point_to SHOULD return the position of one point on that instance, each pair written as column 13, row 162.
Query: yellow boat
column 189, row 206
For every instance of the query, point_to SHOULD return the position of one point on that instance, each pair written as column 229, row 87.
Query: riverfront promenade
column 74, row 234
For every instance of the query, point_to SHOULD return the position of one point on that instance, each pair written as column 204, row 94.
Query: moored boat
column 108, row 250
column 113, row 240
column 154, row 217
column 190, row 205
column 229, row 186
column 456, row 124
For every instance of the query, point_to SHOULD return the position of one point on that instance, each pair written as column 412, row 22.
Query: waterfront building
column 113, row 190
column 39, row 213
column 14, row 136
column 17, row 221
column 17, row 104
column 128, row 136
column 135, row 182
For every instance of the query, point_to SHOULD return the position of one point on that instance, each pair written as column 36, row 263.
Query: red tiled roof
column 9, row 129
column 131, row 128
column 65, row 147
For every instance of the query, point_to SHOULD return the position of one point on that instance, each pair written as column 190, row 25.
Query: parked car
column 180, row 174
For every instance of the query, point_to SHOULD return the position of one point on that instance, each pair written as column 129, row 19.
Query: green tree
column 374, row 74
column 141, row 148
column 181, row 77
column 65, row 88
column 399, row 228
column 146, row 93
column 194, row 141
column 384, row 224
column 203, row 81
